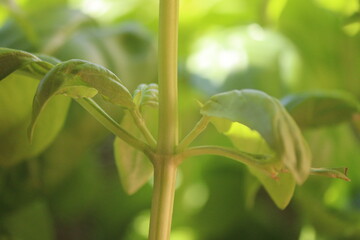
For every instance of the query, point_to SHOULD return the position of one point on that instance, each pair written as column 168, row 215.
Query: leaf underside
column 257, row 123
column 79, row 79
column 261, row 113
column 20, row 72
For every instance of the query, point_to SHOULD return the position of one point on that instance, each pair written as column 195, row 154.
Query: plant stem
column 163, row 198
column 165, row 161
column 99, row 114
column 199, row 128
column 246, row 158
column 140, row 123
column 168, row 99
column 340, row 173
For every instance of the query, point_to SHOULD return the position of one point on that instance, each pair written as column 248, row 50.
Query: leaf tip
column 340, row 173
column 130, row 191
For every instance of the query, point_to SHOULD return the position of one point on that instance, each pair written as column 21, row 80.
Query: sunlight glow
column 256, row 32
column 95, row 7
column 196, row 196
column 307, row 233
column 228, row 59
column 141, row 223
column 183, row 234
column 105, row 10
column 222, row 52
column 216, row 56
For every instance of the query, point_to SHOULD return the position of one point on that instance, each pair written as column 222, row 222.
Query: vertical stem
column 163, row 199
column 164, row 161
column 168, row 46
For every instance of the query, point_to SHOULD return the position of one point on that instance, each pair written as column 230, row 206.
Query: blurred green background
column 69, row 187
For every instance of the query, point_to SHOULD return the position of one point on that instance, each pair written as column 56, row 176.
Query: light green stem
column 99, row 114
column 163, row 198
column 340, row 173
column 199, row 128
column 140, row 123
column 168, row 91
column 165, row 162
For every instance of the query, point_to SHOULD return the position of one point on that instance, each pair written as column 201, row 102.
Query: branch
column 99, row 114
column 140, row 123
column 194, row 133
column 255, row 160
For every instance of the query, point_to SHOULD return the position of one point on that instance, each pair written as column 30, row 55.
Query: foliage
column 68, row 178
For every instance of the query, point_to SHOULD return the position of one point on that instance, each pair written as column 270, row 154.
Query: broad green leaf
column 265, row 115
column 78, row 79
column 16, row 94
column 251, row 108
column 17, row 91
column 280, row 186
column 134, row 167
column 321, row 108
column 12, row 60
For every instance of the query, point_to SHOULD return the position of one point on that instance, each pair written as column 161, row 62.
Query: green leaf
column 261, row 113
column 279, row 186
column 78, row 79
column 19, row 73
column 16, row 94
column 134, row 167
column 321, row 108
column 12, row 60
